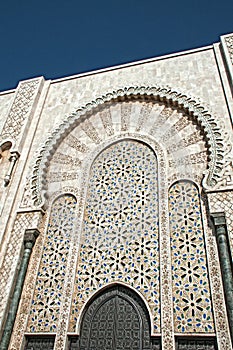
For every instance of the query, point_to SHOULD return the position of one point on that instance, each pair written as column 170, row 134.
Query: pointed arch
column 115, row 317
column 120, row 223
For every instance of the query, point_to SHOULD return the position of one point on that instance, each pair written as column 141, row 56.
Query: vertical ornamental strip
column 29, row 241
column 191, row 290
column 225, row 263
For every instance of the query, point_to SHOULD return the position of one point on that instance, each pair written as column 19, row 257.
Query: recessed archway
column 115, row 319
column 187, row 105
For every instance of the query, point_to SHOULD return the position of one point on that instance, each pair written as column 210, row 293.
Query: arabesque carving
column 209, row 125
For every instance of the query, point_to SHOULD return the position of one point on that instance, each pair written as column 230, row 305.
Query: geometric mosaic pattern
column 46, row 301
column 119, row 239
column 191, row 290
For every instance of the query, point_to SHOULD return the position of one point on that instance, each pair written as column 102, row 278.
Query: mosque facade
column 116, row 207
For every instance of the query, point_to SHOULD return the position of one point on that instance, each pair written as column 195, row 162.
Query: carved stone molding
column 227, row 51
column 213, row 135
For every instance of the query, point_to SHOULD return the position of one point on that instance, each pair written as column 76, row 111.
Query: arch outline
column 113, row 292
column 195, row 109
column 109, row 286
column 158, row 153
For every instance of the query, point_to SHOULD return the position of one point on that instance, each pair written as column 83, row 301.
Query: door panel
column 116, row 320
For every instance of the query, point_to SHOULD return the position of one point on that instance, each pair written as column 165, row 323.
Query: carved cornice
column 193, row 108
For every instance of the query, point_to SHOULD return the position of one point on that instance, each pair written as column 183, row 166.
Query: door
column 117, row 319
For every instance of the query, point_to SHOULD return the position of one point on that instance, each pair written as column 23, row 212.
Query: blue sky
column 62, row 38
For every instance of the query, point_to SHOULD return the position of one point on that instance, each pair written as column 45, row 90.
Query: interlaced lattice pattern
column 21, row 106
column 191, row 291
column 120, row 234
column 47, row 297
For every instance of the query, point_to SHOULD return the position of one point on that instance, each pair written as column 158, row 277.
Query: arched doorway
column 117, row 319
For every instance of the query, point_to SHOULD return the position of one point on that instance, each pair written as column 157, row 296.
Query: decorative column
column 13, row 159
column 225, row 263
column 29, row 241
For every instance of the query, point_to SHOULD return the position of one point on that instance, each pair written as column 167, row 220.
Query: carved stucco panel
column 25, row 96
column 107, row 115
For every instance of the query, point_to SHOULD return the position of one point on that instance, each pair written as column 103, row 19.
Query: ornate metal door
column 116, row 320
